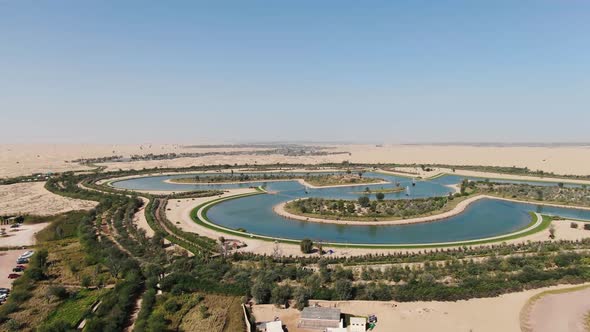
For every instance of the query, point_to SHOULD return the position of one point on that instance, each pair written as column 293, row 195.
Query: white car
column 27, row 254
column 3, row 297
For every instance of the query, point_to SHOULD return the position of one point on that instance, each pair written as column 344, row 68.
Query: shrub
column 171, row 306
column 306, row 246
column 364, row 201
column 587, row 227
column 574, row 225
column 204, row 311
column 58, row 291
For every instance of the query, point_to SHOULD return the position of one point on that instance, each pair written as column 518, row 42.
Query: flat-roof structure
column 357, row 324
column 318, row 318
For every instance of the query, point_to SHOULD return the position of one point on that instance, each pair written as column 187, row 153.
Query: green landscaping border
column 206, row 222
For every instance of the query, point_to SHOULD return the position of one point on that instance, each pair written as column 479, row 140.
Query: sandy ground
column 478, row 315
column 7, row 263
column 26, row 159
column 140, row 220
column 22, row 236
column 560, row 312
column 33, row 198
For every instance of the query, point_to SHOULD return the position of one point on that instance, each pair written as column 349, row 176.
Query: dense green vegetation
column 366, row 209
column 319, row 179
column 559, row 194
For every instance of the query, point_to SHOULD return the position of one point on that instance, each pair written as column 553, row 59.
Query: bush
column 587, row 226
column 574, row 225
column 380, row 196
column 364, row 201
column 204, row 311
column 172, row 306
column 306, row 246
column 280, row 295
column 58, row 291
column 261, row 292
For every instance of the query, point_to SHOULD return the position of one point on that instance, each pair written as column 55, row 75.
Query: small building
column 357, row 324
column 275, row 326
column 318, row 318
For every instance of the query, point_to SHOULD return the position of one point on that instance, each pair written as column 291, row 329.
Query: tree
column 261, row 292
column 280, row 295
column 552, row 232
column 560, row 185
column 350, row 208
column 343, row 289
column 301, row 295
column 364, row 201
column 380, row 196
column 58, row 292
column 306, row 246
column 85, row 281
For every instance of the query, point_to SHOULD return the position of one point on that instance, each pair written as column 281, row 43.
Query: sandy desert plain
column 556, row 310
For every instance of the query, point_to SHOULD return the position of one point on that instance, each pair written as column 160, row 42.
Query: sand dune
column 33, row 198
column 26, row 159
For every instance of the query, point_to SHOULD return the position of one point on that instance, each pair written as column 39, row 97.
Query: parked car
column 18, row 269
column 13, row 276
column 15, row 226
column 3, row 297
column 27, row 254
column 21, row 266
column 4, row 291
column 22, row 261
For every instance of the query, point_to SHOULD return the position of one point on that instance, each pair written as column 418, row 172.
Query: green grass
column 74, row 309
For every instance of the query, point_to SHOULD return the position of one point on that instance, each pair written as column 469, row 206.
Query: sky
column 326, row 71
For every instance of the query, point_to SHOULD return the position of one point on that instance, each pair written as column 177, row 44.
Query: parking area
column 7, row 263
column 21, row 236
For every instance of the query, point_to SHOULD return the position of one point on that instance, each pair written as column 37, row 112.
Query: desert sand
column 26, row 159
column 140, row 220
column 500, row 313
column 22, row 236
column 33, row 198
column 560, row 312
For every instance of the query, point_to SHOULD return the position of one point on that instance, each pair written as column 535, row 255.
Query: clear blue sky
column 387, row 71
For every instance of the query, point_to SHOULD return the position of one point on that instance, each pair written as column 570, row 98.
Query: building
column 318, row 318
column 276, row 326
column 357, row 324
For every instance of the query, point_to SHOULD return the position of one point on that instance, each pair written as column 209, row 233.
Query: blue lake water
column 484, row 218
